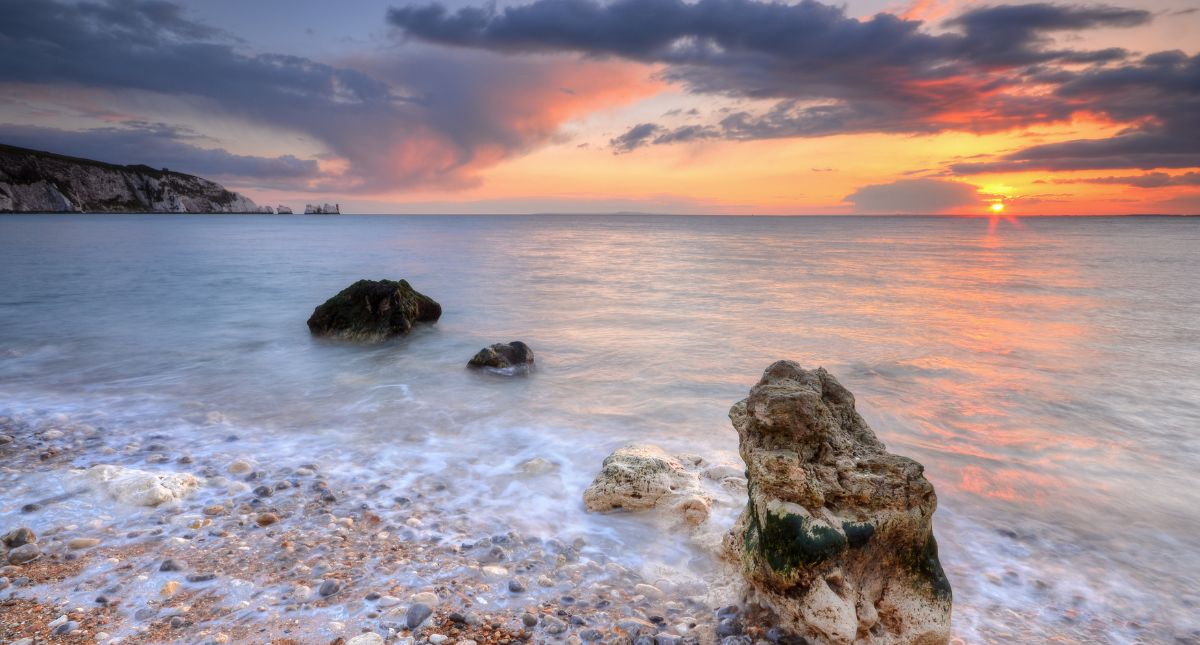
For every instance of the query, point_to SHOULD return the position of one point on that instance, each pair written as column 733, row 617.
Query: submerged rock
column 511, row 355
column 142, row 487
column 639, row 477
column 837, row 537
column 372, row 310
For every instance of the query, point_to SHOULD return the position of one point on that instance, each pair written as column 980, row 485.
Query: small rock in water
column 369, row 638
column 417, row 614
column 729, row 627
column 201, row 577
column 169, row 589
column 516, row 585
column 172, row 565
column 425, row 598
column 29, row 508
column 529, row 619
column 61, row 620
column 23, row 554
column 18, row 537
column 240, row 466
column 438, row 639
column 66, row 628
column 82, row 543
column 264, row 491
column 329, row 587
column 649, row 591
column 266, row 519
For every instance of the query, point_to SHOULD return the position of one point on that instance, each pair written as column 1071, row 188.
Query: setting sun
column 998, row 207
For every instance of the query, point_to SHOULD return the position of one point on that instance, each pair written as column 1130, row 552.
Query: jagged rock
column 504, row 356
column 142, row 487
column 283, row 210
column 373, row 310
column 639, row 477
column 323, row 209
column 32, row 181
column 837, row 537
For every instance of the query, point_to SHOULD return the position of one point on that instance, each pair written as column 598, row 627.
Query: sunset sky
column 713, row 106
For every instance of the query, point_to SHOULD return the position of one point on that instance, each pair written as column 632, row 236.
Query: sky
column 658, row 106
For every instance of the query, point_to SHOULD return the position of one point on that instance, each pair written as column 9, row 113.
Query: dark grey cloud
column 830, row 73
column 429, row 117
column 1148, row 180
column 163, row 146
column 914, row 197
column 1159, row 96
column 635, row 136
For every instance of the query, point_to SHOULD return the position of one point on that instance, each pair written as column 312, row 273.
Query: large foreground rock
column 639, row 477
column 373, row 310
column 837, row 537
column 504, row 356
column 142, row 487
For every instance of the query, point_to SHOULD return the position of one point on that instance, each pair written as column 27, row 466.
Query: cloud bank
column 995, row 68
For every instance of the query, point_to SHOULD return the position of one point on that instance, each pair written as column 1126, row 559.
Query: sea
column 1046, row 372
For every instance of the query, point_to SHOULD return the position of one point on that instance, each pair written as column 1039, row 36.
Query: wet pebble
column 529, row 620
column 24, row 553
column 65, row 628
column 82, row 543
column 516, row 585
column 329, row 587
column 266, row 519
column 172, row 565
column 18, row 537
column 201, row 577
column 417, row 614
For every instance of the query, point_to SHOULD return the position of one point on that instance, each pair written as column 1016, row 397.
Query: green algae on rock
column 373, row 310
column 837, row 535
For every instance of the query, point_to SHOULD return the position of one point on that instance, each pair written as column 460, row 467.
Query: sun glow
column 997, row 207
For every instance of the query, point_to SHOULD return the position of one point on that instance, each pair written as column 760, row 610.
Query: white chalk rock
column 640, row 477
column 142, row 487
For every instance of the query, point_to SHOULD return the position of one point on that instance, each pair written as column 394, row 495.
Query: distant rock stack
column 283, row 210
column 837, row 536
column 323, row 209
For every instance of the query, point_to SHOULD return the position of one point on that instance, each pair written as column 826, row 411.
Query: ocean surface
column 1045, row 371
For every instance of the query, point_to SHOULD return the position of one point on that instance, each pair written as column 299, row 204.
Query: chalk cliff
column 32, row 181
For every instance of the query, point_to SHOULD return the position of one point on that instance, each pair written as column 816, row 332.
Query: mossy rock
column 372, row 310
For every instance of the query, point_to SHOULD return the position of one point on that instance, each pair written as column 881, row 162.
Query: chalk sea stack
column 837, row 536
column 373, row 310
column 509, row 355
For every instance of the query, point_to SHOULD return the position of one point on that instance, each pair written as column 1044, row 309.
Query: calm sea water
column 1047, row 373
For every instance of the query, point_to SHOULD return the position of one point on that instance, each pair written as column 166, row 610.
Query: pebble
column 553, row 625
column 172, row 565
column 529, row 620
column 57, row 621
column 516, row 585
column 493, row 571
column 425, row 598
column 264, row 491
column 388, row 601
column 215, row 509
column 169, row 589
column 266, row 519
column 82, row 543
column 649, row 591
column 3, row 583
column 65, row 628
column 369, row 638
column 240, row 466
column 24, row 553
column 438, row 639
column 201, row 577
column 18, row 537
column 729, row 627
column 417, row 614
column 329, row 587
